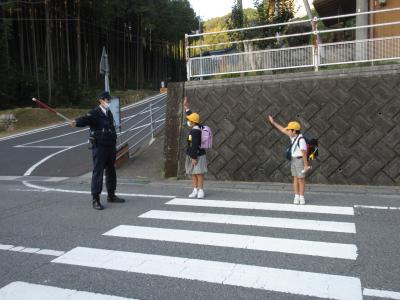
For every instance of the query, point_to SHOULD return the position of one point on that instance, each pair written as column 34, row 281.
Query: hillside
column 221, row 23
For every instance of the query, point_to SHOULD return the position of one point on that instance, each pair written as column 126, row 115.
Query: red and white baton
column 44, row 105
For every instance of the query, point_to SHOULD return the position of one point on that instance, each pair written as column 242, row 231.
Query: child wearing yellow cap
column 196, row 162
column 297, row 153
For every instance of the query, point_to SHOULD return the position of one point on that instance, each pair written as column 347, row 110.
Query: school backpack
column 312, row 146
column 206, row 137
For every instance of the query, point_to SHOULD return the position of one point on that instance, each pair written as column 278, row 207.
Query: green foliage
column 144, row 40
column 272, row 12
column 261, row 14
column 237, row 20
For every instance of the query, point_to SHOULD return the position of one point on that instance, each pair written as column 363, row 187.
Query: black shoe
column 115, row 199
column 96, row 204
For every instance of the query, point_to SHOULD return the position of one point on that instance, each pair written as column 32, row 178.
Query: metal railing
column 360, row 51
column 151, row 119
column 265, row 60
column 314, row 56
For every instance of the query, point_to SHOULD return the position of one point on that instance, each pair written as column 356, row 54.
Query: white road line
column 50, row 252
column 271, row 279
column 144, row 101
column 48, row 189
column 303, row 224
column 337, row 210
column 37, row 130
column 30, row 250
column 52, row 138
column 9, row 137
column 381, row 294
column 18, row 290
column 17, row 249
column 43, row 147
column 8, row 178
column 378, row 207
column 6, row 247
column 33, row 178
column 31, row 169
column 56, row 179
column 301, row 247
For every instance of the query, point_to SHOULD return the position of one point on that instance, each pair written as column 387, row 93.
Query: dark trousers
column 103, row 159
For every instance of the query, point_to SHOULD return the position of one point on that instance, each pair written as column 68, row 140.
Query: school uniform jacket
column 194, row 141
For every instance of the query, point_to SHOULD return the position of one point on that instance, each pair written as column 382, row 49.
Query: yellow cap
column 195, row 118
column 293, row 125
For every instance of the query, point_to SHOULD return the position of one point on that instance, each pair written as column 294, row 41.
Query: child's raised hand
column 185, row 102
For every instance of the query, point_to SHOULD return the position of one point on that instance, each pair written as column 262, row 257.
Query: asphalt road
column 244, row 241
column 45, row 152
column 50, row 237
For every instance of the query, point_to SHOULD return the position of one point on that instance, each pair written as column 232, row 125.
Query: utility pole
column 201, row 51
column 78, row 41
column 317, row 39
column 48, row 51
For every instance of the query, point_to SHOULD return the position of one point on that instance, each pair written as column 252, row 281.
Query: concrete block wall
column 355, row 114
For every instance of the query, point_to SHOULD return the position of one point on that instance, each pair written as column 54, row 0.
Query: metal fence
column 360, row 51
column 143, row 125
column 308, row 56
column 264, row 60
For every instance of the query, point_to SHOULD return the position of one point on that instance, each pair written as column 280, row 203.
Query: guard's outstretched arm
column 83, row 121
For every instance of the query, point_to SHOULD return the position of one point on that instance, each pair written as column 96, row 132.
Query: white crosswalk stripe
column 27, row 291
column 271, row 279
column 281, row 279
column 335, row 250
column 336, row 210
column 344, row 227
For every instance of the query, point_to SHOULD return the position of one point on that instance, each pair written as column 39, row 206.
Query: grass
column 132, row 96
column 29, row 118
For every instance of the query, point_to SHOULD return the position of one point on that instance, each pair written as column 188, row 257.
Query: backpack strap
column 298, row 141
column 298, row 145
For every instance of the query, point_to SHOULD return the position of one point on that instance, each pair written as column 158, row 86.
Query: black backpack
column 312, row 147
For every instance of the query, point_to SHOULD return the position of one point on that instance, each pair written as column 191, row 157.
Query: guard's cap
column 194, row 117
column 293, row 126
column 104, row 95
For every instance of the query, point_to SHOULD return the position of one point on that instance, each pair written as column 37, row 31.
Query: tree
column 237, row 20
column 273, row 12
column 56, row 46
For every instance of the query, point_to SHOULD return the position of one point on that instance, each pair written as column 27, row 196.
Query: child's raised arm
column 279, row 127
column 185, row 103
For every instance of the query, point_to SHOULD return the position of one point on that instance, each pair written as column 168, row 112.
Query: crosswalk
column 181, row 213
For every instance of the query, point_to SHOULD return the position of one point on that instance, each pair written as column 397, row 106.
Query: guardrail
column 315, row 55
column 151, row 119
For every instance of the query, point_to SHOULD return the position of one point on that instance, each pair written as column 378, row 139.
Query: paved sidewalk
column 147, row 166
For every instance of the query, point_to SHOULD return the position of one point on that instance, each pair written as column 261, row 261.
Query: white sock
column 195, row 190
column 301, row 197
column 296, row 196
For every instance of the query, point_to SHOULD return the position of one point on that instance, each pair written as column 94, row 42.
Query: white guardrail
column 142, row 125
column 308, row 56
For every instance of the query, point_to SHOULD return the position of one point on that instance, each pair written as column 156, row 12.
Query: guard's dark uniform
column 103, row 138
